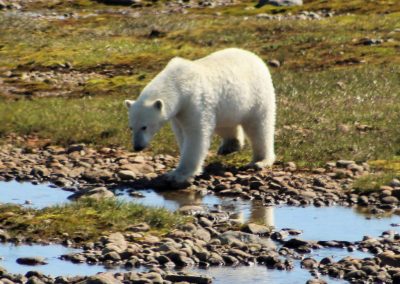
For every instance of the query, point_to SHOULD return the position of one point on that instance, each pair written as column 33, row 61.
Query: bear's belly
column 228, row 120
column 231, row 114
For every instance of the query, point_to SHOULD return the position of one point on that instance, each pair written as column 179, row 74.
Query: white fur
column 226, row 92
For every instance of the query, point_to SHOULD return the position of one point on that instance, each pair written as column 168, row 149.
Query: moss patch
column 372, row 182
column 87, row 219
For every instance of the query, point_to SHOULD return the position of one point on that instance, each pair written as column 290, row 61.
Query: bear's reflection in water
column 240, row 210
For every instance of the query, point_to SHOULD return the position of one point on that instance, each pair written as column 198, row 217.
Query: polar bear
column 229, row 92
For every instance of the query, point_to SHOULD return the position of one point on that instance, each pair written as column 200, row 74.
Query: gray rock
column 37, row 260
column 236, row 237
column 316, row 281
column 309, row 263
column 268, row 260
column 192, row 210
column 239, row 253
column 203, row 234
column 389, row 258
column 126, row 175
column 256, row 229
column 75, row 148
column 326, row 260
column 34, row 280
column 295, row 243
column 230, row 260
column 344, row 163
column 6, row 281
column 95, row 193
column 390, row 200
column 362, row 200
column 265, row 16
column 101, row 278
column 215, row 259
column 279, row 3
column 142, row 227
column 395, row 183
column 355, row 274
column 188, row 278
column 40, row 171
column 370, row 41
column 179, row 259
column 119, row 2
column 274, row 63
column 96, row 175
column 205, row 222
column 4, row 236
column 154, row 277
column 115, row 242
column 113, row 256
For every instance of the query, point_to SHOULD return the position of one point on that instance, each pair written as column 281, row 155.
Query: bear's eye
column 144, row 128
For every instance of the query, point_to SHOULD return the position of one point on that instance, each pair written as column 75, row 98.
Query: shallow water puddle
column 55, row 267
column 261, row 274
column 326, row 223
column 332, row 223
column 28, row 194
column 329, row 223
column 258, row 274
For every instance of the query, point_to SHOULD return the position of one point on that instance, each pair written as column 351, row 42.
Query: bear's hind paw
column 259, row 165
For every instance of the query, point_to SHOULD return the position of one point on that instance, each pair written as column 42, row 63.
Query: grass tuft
column 87, row 219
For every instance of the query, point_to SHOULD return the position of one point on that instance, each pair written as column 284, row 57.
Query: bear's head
column 145, row 119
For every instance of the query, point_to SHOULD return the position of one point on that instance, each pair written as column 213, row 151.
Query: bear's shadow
column 160, row 183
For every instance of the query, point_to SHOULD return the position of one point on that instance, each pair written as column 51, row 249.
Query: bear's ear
column 158, row 104
column 128, row 103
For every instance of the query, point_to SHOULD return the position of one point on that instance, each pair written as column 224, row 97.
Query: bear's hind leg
column 232, row 139
column 261, row 135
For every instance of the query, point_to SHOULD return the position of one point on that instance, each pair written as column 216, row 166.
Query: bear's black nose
column 138, row 148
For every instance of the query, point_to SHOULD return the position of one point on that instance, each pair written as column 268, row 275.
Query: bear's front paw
column 178, row 177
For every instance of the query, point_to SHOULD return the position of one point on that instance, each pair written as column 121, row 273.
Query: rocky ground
column 130, row 43
column 214, row 237
column 80, row 168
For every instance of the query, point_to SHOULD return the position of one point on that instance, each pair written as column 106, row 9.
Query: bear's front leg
column 177, row 129
column 194, row 150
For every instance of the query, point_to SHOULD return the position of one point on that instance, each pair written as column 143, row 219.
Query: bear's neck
column 172, row 107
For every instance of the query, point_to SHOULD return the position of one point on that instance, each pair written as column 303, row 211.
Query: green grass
column 317, row 88
column 311, row 106
column 337, row 6
column 87, row 219
column 373, row 182
column 384, row 171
